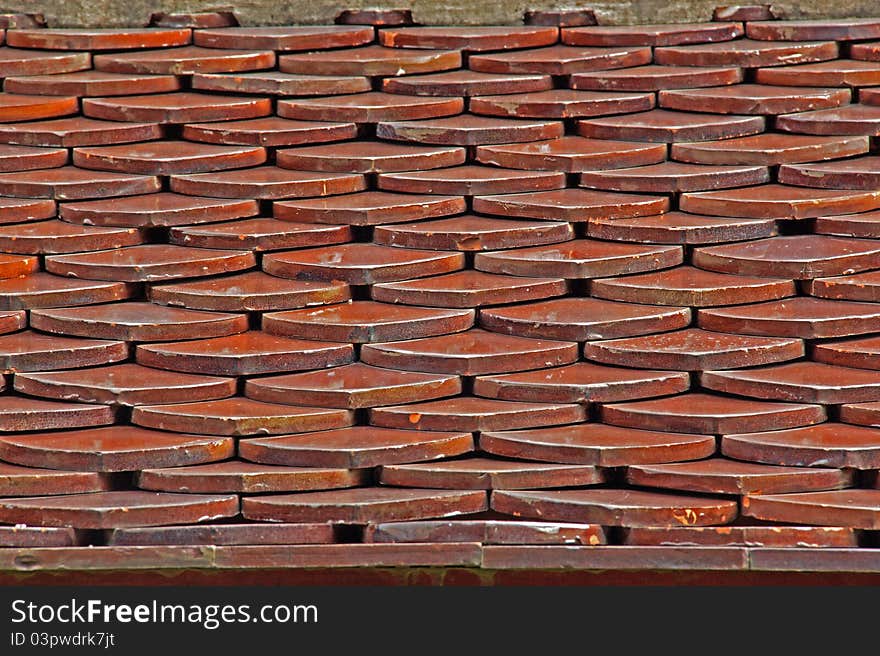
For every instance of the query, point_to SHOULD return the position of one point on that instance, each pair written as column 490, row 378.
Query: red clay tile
column 253, row 291
column 26, row 414
column 71, row 183
column 847, row 120
column 32, row 351
column 368, row 157
column 224, row 534
column 353, row 386
column 259, row 235
column 486, row 532
column 823, row 445
column 234, row 476
column 98, row 39
column 473, row 38
column 812, row 30
column 44, row 237
column 137, row 321
column 582, row 319
column 16, row 481
column 655, row 78
column 489, row 474
column 582, row 382
column 161, row 209
column 560, row 60
column 470, row 130
column 369, row 208
column 848, row 508
column 616, row 507
column 787, row 537
column 13, row 266
column 674, row 177
column 22, row 210
column 466, row 83
column 266, row 183
column 866, row 224
column 15, row 62
column 26, row 158
column 168, row 157
column 835, row 73
column 747, row 53
column 355, row 447
column 575, row 205
column 579, row 258
column 560, row 17
column 597, row 444
column 753, row 99
column 77, row 131
column 470, row 180
column 472, row 233
column 660, row 125
column 470, row 353
column 363, row 322
column 269, row 131
column 863, row 414
column 239, row 416
column 651, row 35
column 865, row 51
column 561, row 103
column 350, row 555
column 614, row 558
column 571, row 154
column 274, row 83
column 858, row 173
column 31, row 108
column 774, row 201
column 12, row 320
column 112, row 449
column 680, row 228
column 706, row 413
column 860, row 353
column 185, row 61
column 694, row 350
column 689, row 286
column 45, row 290
column 368, row 108
column 370, row 61
column 810, row 318
column 248, row 353
column 362, row 505
column 283, row 38
column 769, row 149
column 467, row 413
column 179, row 107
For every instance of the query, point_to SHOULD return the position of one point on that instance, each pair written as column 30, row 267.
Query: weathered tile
column 37, row 536
column 863, row 414
column 375, row 17
column 269, row 131
column 370, row 107
column 22, row 210
column 472, row 233
column 769, row 149
column 349, row 555
column 651, row 35
column 98, row 39
column 267, row 183
column 193, row 19
column 575, row 205
column 561, row 103
column 560, row 17
column 180, row 107
column 664, row 126
column 224, row 534
column 91, row 84
column 48, row 237
column 466, row 83
column 785, row 537
column 836, row 560
column 275, row 83
column 45, row 290
column 13, row 266
column 369, row 208
column 754, row 99
column 27, row 414
column 259, row 235
column 168, row 157
column 471, row 180
column 318, row 37
column 17, row 62
column 656, row 78
column 747, row 53
column 848, row 120
column 470, row 38
column 850, row 29
column 161, row 209
column 571, row 154
column 560, row 60
column 71, row 183
column 12, row 320
column 470, row 130
column 857, row 173
column 185, row 61
column 848, row 508
column 370, row 61
column 860, row 353
column 367, row 157
column 775, row 201
column 32, row 351
column 26, row 158
column 674, row 177
column 614, row 558
column 486, row 532
column 834, row 73
column 18, row 481
column 681, row 228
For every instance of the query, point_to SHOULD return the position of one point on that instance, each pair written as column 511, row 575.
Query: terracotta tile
column 754, row 99
column 32, row 351
column 101, row 510
column 30, row 108
column 561, row 103
column 239, row 416
column 848, row 120
column 194, row 19
column 560, row 17
column 274, row 83
column 26, row 158
column 707, row 413
column 787, row 537
column 470, row 353
column 863, row 414
column 615, row 558
column 368, row 157
column 112, row 449
column 769, row 149
column 813, row 30
column 472, row 233
column 655, row 78
column 266, row 183
column 362, row 322
column 185, row 61
column 471, row 38
column 722, row 476
column 597, row 444
column 470, row 130
column 355, row 447
column 690, row 286
column 353, row 386
column 857, row 173
column 98, row 39
column 651, row 35
column 371, row 61
column 21, row 210
column 774, row 201
column 835, row 73
column 616, row 507
column 77, row 131
column 747, row 53
column 368, row 108
column 582, row 319
column 810, row 318
column 467, row 83
column 823, row 445
column 575, row 205
column 866, row 224
column 16, row 481
column 168, row 157
column 234, row 476
column 376, row 17
column 259, row 235
column 26, row 414
column 269, row 131
column 369, row 208
column 849, row 508
column 673, row 177
column 12, row 320
column 224, row 535
column 71, row 183
column 45, row 290
column 37, row 536
column 571, row 154
column 470, row 180
column 137, row 321
column 179, row 107
column 680, row 228
column 860, row 353
column 248, row 353
column 869, row 97
column 660, row 125
column 865, row 51
column 283, row 38
column 582, row 382
column 44, row 237
column 757, row 12
column 123, row 384
column 106, row 559
column 810, row 382
column 489, row 474
column 486, row 532
column 351, row 555
column 560, row 60
column 161, row 209
column 15, row 62
column 693, row 349
column 13, row 266
column 362, row 505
